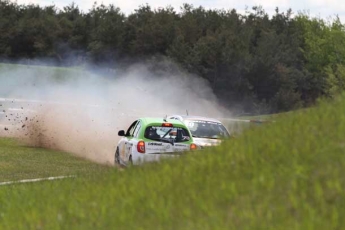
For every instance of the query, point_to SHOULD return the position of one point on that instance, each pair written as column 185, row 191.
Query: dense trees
column 253, row 62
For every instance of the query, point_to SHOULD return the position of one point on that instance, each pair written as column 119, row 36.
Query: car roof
column 150, row 120
column 200, row 118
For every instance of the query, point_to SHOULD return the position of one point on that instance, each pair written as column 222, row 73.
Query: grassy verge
column 20, row 162
column 237, row 125
column 283, row 175
column 266, row 117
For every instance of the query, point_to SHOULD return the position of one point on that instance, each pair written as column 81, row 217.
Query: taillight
column 141, row 147
column 167, row 125
column 193, row 147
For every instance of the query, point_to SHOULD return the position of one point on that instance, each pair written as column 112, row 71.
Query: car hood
column 205, row 142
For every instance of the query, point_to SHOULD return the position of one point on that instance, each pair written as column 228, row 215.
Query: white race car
column 205, row 131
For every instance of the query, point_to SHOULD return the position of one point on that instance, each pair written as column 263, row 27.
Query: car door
column 132, row 138
column 127, row 141
column 133, row 141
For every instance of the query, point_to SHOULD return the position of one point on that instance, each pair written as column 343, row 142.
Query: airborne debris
column 6, row 129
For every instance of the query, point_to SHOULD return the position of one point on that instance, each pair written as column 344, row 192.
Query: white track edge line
column 34, row 180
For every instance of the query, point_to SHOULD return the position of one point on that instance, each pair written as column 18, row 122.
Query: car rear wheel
column 117, row 157
column 130, row 161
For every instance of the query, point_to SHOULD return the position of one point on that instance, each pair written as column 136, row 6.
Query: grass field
column 283, row 175
column 20, row 162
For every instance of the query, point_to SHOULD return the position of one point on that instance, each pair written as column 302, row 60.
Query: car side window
column 130, row 130
column 137, row 129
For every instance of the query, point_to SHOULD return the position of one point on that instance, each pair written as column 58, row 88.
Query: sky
column 316, row 8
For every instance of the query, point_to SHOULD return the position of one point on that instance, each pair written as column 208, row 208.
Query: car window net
column 167, row 134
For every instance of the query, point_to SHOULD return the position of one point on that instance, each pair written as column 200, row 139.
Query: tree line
column 253, row 62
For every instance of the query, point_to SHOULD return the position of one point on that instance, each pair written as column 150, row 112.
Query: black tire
column 117, row 157
column 130, row 161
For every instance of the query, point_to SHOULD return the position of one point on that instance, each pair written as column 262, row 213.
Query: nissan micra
column 149, row 139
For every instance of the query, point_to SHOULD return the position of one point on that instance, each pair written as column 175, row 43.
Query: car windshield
column 207, row 129
column 167, row 134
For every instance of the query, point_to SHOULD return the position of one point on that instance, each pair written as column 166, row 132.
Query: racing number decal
column 128, row 147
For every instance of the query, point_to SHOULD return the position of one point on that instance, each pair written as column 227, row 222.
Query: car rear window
column 207, row 129
column 167, row 134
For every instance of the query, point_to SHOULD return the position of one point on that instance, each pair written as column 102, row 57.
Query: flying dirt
column 81, row 111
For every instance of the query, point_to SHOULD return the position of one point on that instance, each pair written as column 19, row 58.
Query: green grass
column 237, row 125
column 20, row 162
column 264, row 117
column 283, row 175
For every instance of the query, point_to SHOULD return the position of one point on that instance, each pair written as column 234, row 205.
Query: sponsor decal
column 155, row 150
column 155, row 143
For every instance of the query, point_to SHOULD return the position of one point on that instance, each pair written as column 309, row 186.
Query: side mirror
column 121, row 133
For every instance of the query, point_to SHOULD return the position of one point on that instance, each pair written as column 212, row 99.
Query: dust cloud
column 81, row 111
